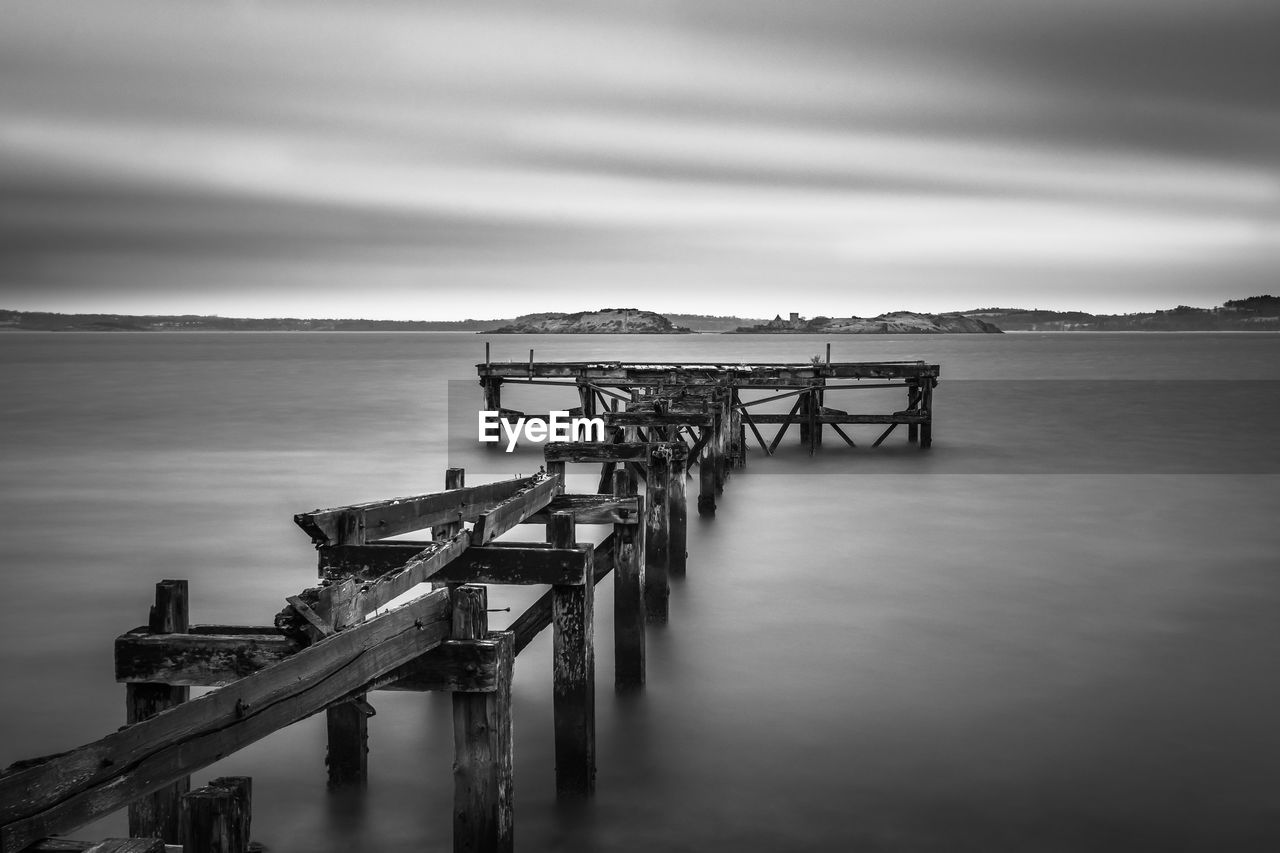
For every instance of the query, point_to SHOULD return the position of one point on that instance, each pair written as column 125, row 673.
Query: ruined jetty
column 410, row 614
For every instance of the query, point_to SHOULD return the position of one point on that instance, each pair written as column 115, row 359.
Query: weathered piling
column 628, row 594
column 573, row 661
column 217, row 817
column 482, row 739
column 678, row 522
column 707, row 482
column 657, row 538
column 159, row 815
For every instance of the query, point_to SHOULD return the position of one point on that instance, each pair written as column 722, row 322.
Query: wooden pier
column 410, row 614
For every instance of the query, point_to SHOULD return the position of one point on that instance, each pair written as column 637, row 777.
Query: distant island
column 609, row 321
column 1255, row 313
column 895, row 323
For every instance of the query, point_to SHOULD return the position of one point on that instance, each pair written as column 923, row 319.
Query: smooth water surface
column 1055, row 631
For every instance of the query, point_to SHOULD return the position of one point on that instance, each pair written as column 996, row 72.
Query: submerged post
column 574, row 680
column 657, row 540
column 926, row 408
column 216, row 818
column 913, row 398
column 628, row 593
column 707, row 481
column 158, row 815
column 678, row 514
column 482, row 742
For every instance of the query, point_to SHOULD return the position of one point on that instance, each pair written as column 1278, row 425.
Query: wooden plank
column 360, row 523
column 647, row 419
column 515, row 509
column 887, row 418
column 158, row 814
column 462, row 667
column 197, row 660
column 110, row 845
column 482, row 740
column 843, row 435
column 348, row 602
column 450, row 666
column 747, row 419
column 514, row 565
column 367, row 562
column 68, row 790
column 573, row 672
column 217, row 817
column 590, row 509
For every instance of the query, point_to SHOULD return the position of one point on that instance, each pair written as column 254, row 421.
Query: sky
column 438, row 160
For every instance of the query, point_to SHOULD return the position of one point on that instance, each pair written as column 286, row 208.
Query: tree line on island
column 1255, row 313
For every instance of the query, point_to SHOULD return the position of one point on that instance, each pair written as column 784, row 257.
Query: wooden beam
column 600, row 451
column 786, row 424
column 515, row 565
column 830, row 417
column 538, row 615
column 68, row 790
column 515, row 509
column 459, row 666
column 361, row 523
column 197, row 659
column 348, row 602
column 884, row 435
column 110, row 845
column 590, row 509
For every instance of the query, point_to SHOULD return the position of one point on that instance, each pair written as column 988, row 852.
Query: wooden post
column 913, row 396
column 347, row 758
column 492, row 393
column 482, row 743
column 657, row 541
column 586, row 399
column 707, row 480
column 216, row 818
column 679, row 517
column 739, row 429
column 158, row 815
column 574, row 679
column 628, row 593
column 926, row 406
column 819, row 400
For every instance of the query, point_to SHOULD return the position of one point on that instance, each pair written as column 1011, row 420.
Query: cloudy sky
column 433, row 160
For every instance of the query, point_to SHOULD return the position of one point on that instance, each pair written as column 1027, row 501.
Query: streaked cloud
column 250, row 158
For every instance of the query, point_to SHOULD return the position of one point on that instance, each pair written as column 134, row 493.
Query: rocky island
column 610, row 321
column 894, row 323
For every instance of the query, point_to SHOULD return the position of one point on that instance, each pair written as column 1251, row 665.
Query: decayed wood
column 590, row 509
column 158, row 814
column 110, row 845
column 786, row 423
column 538, row 615
column 197, row 659
column 467, row 667
column 349, row 601
column 347, row 734
column 926, row 411
column 657, row 535
column 678, row 520
column 573, row 676
column 515, row 565
column 515, row 509
column 830, row 416
column 628, row 597
column 482, row 739
column 70, row 789
column 595, row 451
column 360, row 523
column 454, row 478
column 217, row 817
column 367, row 562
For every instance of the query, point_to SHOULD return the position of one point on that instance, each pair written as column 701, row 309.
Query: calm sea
column 1054, row 631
